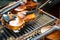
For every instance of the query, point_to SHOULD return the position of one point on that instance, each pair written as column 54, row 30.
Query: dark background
column 53, row 8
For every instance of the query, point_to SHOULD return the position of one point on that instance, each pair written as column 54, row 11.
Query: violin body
column 27, row 6
column 15, row 24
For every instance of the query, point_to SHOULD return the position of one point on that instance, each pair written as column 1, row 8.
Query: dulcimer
column 51, row 32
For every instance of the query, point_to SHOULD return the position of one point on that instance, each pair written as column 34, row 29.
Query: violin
column 14, row 24
column 27, row 6
column 18, row 22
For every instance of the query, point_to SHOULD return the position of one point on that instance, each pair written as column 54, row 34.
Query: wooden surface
column 54, row 35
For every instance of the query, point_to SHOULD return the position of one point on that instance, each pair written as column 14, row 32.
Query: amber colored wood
column 56, row 34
